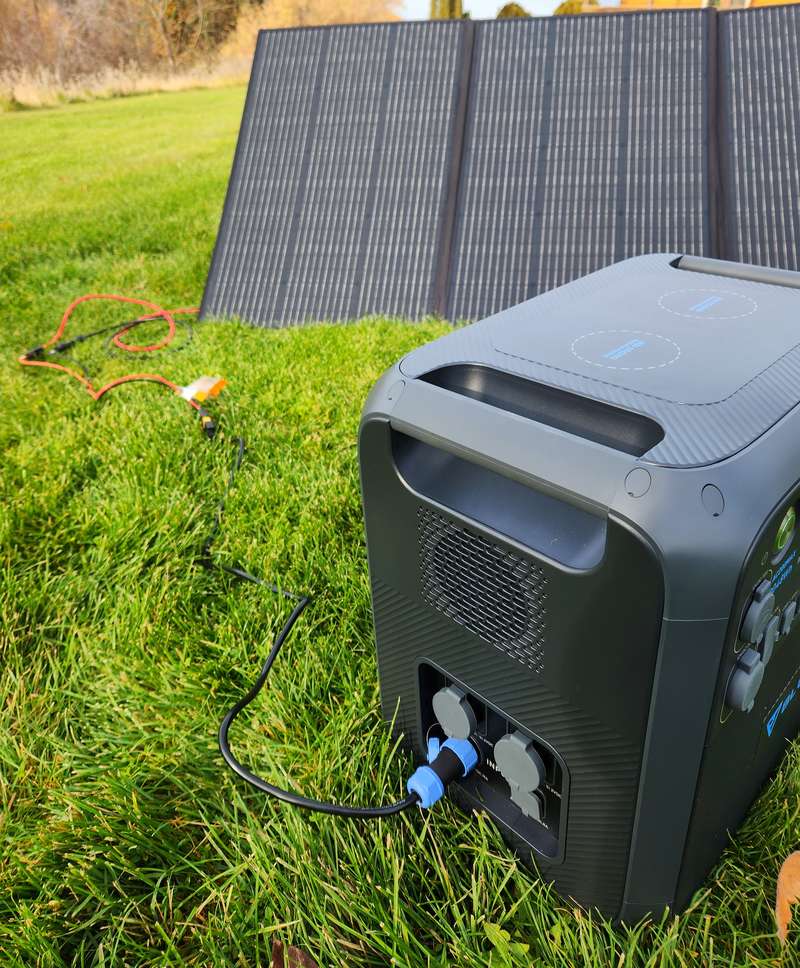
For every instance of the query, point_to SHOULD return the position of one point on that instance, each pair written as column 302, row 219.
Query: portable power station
column 580, row 519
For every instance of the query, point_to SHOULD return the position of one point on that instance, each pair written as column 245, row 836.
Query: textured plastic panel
column 632, row 300
column 760, row 135
column 336, row 202
column 586, row 142
column 604, row 766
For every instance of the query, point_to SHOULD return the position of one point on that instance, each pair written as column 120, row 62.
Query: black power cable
column 301, row 601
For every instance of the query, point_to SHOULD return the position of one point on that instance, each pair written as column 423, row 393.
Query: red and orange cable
column 155, row 312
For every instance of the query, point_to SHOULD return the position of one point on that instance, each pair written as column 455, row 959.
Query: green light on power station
column 785, row 531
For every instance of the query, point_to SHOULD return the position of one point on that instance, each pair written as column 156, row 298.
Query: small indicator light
column 785, row 531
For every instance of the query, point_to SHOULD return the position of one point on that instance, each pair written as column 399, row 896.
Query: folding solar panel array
column 336, row 202
column 456, row 168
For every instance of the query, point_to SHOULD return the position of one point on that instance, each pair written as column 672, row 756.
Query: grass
column 124, row 841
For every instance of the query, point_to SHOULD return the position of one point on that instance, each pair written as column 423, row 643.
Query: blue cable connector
column 448, row 761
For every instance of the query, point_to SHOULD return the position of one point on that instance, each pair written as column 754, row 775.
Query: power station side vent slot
column 495, row 594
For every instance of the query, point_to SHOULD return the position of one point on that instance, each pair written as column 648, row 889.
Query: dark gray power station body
column 572, row 511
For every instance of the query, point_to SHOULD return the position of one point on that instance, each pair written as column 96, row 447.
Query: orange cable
column 157, row 312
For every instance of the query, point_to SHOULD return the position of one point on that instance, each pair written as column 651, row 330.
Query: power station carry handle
column 739, row 270
column 516, row 446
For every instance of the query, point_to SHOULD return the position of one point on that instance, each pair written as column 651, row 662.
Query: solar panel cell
column 760, row 135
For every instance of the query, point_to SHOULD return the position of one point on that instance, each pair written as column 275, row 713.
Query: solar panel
column 457, row 168
column 760, row 135
column 585, row 143
column 337, row 205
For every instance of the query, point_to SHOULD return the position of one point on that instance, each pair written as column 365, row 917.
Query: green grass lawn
column 124, row 838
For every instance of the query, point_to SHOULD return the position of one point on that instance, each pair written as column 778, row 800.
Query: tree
column 186, row 28
column 574, row 6
column 303, row 13
column 511, row 10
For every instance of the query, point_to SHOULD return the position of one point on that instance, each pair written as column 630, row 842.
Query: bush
column 256, row 16
column 74, row 38
column 66, row 50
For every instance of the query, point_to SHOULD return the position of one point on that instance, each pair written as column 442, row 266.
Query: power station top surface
column 714, row 358
column 686, row 340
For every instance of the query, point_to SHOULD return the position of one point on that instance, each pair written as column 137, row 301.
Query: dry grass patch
column 42, row 88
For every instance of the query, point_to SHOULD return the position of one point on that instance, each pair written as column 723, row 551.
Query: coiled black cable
column 301, row 602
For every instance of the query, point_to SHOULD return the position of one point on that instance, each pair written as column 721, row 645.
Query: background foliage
column 72, row 47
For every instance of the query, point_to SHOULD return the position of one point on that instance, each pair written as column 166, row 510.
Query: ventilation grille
column 495, row 594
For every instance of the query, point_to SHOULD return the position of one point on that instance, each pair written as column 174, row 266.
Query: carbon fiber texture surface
column 695, row 433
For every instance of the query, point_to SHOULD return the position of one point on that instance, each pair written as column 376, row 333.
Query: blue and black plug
column 451, row 760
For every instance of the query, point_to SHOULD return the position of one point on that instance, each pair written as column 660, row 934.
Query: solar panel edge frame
column 456, row 142
column 227, row 205
column 715, row 185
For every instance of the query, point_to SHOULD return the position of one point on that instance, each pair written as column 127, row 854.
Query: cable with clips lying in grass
column 55, row 345
column 194, row 394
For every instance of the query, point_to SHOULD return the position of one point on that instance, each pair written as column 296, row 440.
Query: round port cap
column 745, row 681
column 454, row 712
column 758, row 613
column 518, row 761
column 771, row 632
